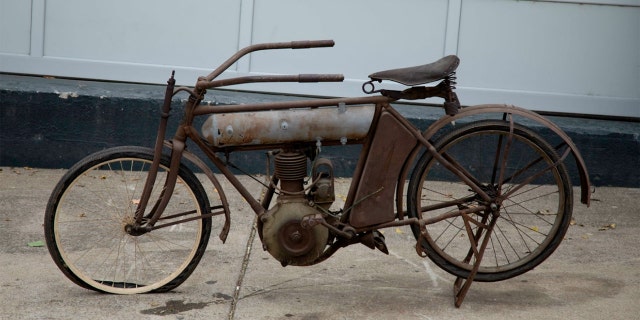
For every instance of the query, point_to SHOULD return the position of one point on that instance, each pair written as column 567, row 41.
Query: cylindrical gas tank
column 342, row 124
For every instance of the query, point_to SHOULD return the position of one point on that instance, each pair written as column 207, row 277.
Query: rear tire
column 533, row 220
column 89, row 207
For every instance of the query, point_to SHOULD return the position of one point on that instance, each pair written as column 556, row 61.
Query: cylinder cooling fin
column 291, row 165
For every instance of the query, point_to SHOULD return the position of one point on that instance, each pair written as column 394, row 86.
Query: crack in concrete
column 243, row 269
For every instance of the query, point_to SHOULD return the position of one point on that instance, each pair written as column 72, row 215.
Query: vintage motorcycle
column 487, row 199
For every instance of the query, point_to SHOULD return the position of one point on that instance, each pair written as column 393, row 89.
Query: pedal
column 378, row 240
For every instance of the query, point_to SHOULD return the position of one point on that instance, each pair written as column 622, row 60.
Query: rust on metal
column 189, row 156
column 585, row 185
column 387, row 154
column 300, row 229
column 203, row 81
column 288, row 126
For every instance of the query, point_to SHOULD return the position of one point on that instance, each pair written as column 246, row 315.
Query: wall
column 563, row 56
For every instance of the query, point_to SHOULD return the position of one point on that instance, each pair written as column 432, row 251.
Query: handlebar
column 205, row 82
column 312, row 44
column 279, row 78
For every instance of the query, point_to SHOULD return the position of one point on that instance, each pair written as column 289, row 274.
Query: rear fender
column 585, row 186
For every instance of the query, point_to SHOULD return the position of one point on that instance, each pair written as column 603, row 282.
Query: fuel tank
column 341, row 123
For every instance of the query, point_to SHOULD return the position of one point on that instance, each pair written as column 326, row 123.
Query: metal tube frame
column 193, row 108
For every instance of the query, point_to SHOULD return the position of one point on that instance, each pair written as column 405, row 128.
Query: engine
column 284, row 234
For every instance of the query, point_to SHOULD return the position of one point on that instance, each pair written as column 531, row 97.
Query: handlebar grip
column 312, row 44
column 320, row 78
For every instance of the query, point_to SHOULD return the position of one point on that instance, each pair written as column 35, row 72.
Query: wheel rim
column 91, row 239
column 530, row 219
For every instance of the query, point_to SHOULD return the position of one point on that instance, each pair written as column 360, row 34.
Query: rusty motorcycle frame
column 486, row 201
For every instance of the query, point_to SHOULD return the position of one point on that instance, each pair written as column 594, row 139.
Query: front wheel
column 515, row 164
column 87, row 213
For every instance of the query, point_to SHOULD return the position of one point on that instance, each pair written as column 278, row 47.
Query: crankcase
column 286, row 239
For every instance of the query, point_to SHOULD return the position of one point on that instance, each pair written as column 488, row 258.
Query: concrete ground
column 595, row 273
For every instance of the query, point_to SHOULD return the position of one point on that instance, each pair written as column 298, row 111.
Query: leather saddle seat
column 413, row 76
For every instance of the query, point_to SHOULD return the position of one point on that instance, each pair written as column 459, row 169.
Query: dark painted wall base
column 52, row 123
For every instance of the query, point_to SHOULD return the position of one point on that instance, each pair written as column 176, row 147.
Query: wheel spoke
column 86, row 225
column 461, row 168
column 514, row 167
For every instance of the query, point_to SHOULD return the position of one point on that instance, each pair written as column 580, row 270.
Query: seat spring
column 451, row 80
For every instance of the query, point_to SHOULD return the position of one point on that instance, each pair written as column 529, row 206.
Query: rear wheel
column 87, row 213
column 533, row 218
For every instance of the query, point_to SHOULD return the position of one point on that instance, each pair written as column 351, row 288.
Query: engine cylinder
column 291, row 168
column 291, row 165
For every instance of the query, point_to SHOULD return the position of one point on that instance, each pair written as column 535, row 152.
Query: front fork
column 144, row 223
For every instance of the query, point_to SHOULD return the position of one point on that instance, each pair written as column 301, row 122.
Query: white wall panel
column 550, row 47
column 159, row 32
column 370, row 35
column 553, row 55
column 15, row 26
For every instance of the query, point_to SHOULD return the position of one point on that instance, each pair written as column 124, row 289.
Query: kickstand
column 461, row 285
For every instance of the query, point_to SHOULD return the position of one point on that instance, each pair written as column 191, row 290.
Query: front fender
column 216, row 184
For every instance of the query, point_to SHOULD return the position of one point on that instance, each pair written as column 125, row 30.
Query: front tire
column 89, row 208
